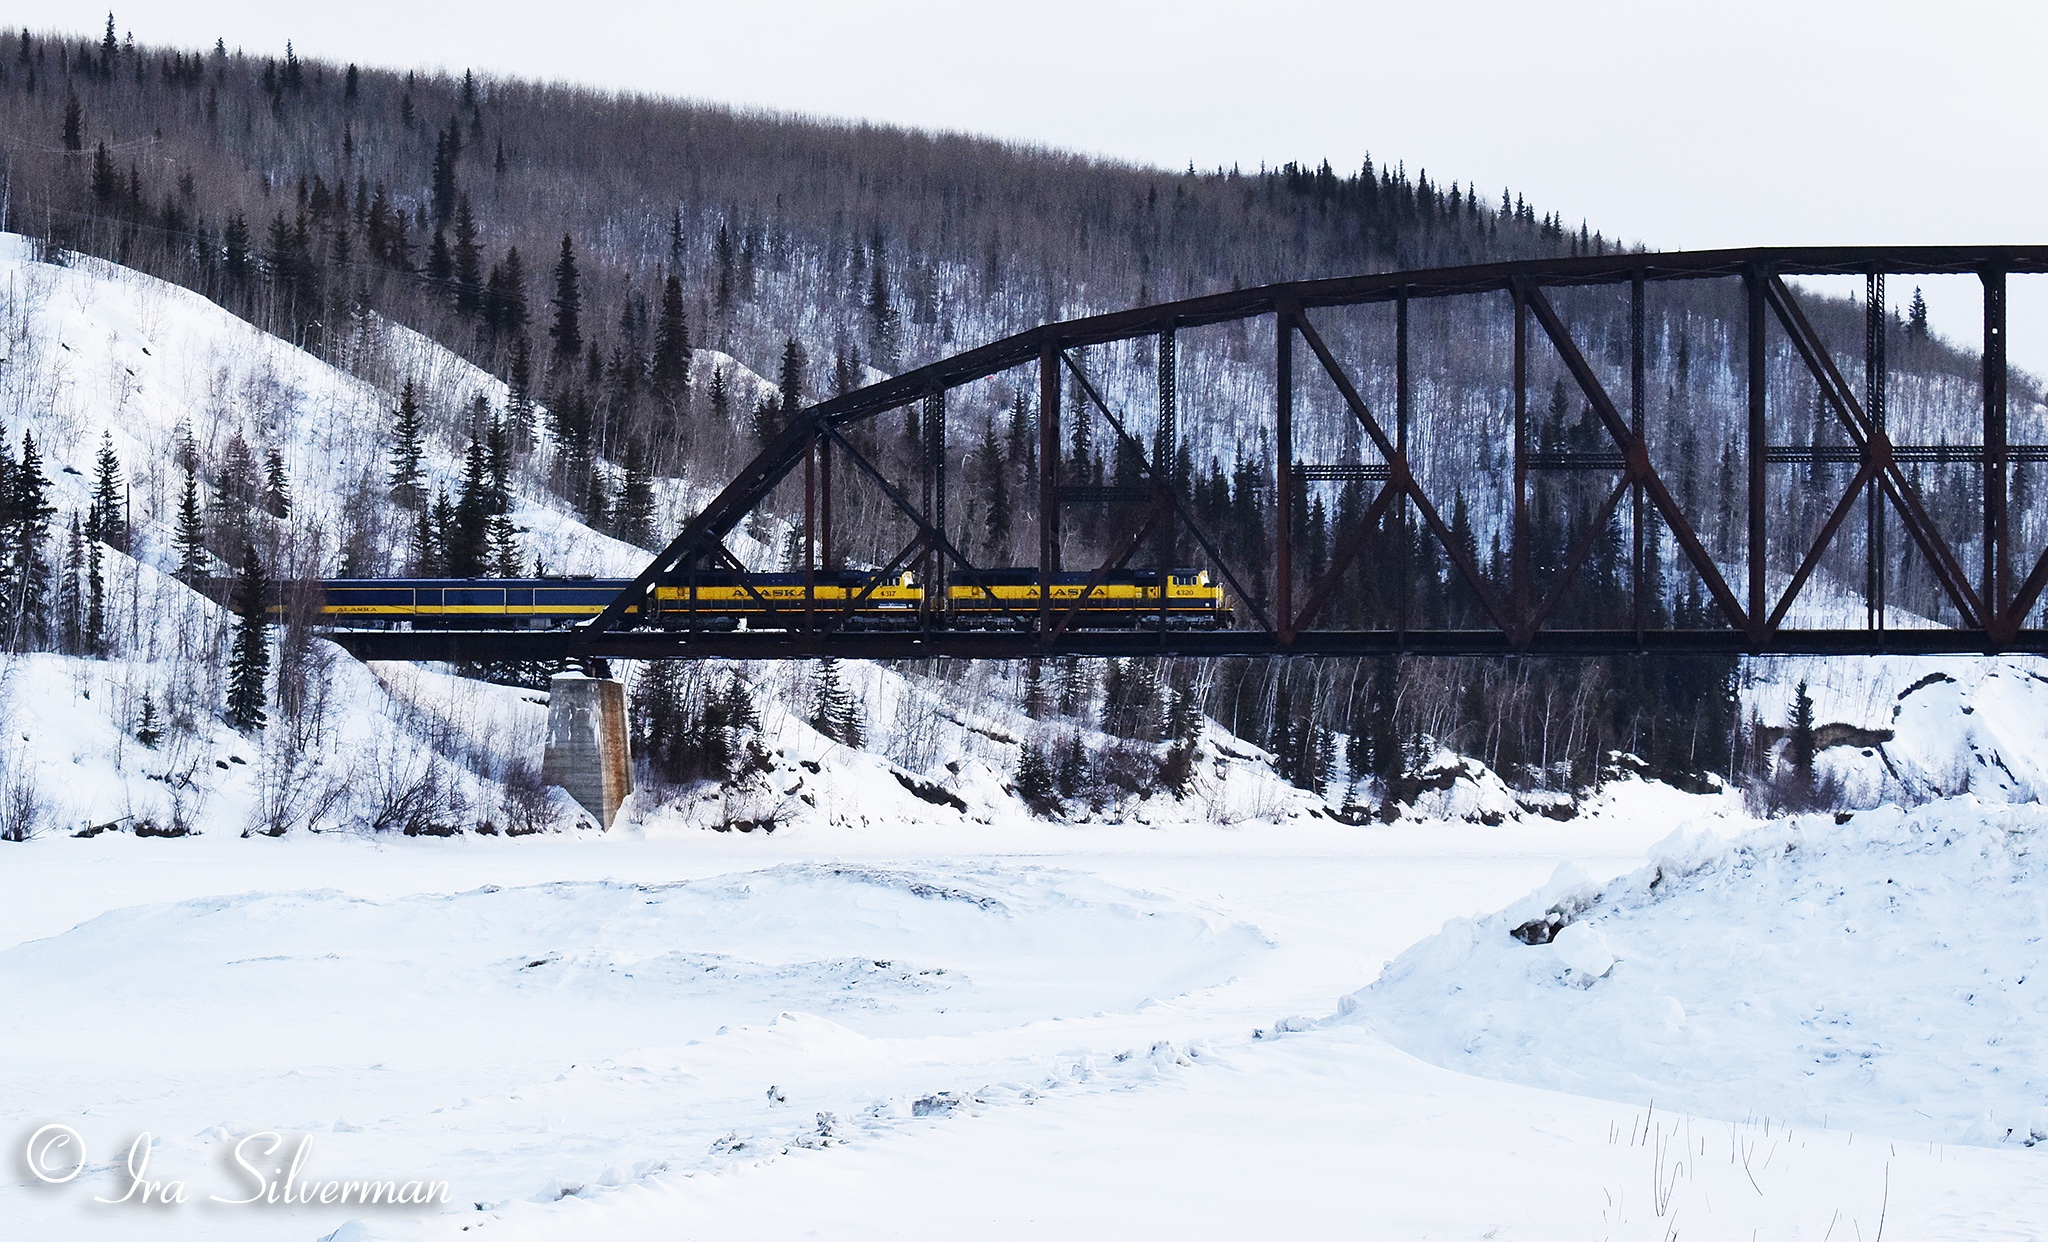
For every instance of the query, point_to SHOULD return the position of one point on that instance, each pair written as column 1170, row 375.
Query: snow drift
column 1888, row 972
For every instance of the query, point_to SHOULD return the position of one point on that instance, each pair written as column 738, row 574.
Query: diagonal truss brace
column 933, row 536
column 1877, row 452
column 1319, row 597
column 1636, row 453
column 1171, row 493
column 1153, row 512
column 1397, row 461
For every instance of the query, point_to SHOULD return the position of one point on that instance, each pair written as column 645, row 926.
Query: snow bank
column 1913, row 728
column 1885, row 973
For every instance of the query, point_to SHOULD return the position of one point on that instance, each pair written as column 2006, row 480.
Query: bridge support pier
column 589, row 753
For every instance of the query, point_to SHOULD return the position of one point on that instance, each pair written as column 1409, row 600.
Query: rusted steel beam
column 1997, row 586
column 1048, row 480
column 1757, row 388
column 1870, row 434
column 569, row 644
column 1638, row 455
column 1403, row 475
column 1283, row 472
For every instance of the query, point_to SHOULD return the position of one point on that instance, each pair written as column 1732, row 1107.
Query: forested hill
column 300, row 192
column 617, row 259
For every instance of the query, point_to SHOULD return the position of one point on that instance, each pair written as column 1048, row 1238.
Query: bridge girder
column 1991, row 605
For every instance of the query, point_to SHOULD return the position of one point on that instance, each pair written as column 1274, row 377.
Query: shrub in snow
column 1035, row 782
column 21, row 806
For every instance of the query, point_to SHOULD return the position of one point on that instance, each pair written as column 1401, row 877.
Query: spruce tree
column 277, row 488
column 29, row 532
column 498, row 448
column 191, row 535
column 1022, row 445
column 519, row 404
column 468, row 285
column 468, row 534
column 103, row 518
column 767, row 419
column 148, row 730
column 249, row 661
column 442, row 524
column 515, row 314
column 633, row 519
column 1800, row 740
column 1035, row 781
column 71, row 593
column 7, row 533
column 791, row 387
column 676, row 246
column 184, row 448
column 235, row 250
column 106, row 180
column 95, row 603
column 567, row 332
column 504, row 547
column 996, row 490
column 240, row 483
column 447, row 148
column 652, row 713
column 74, row 124
column 440, row 265
column 425, row 553
column 408, row 448
column 670, row 373
column 834, row 712
column 882, row 317
column 721, row 398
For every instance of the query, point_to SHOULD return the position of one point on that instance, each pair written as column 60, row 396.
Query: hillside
column 649, row 282
column 102, row 355
column 95, row 350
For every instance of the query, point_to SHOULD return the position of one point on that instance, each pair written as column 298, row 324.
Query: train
column 988, row 599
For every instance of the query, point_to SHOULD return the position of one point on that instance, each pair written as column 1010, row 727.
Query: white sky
column 1710, row 124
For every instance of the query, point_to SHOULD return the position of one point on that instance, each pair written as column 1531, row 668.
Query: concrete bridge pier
column 589, row 752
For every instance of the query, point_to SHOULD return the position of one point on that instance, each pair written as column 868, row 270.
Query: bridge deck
column 501, row 645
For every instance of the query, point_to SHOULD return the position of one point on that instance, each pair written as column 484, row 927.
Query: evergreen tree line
column 1540, row 723
column 399, row 195
column 55, row 593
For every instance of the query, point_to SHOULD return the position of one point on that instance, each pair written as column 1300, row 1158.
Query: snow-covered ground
column 1880, row 974
column 914, row 1010
column 1010, row 1030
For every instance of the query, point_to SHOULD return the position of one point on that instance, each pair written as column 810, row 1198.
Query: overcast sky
column 1723, row 124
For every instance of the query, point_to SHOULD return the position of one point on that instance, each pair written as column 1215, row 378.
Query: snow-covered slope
column 1888, row 973
column 92, row 347
column 1917, row 727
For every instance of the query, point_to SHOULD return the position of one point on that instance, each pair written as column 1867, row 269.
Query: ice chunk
column 1584, row 951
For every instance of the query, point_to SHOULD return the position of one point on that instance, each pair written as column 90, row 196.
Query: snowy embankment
column 1068, row 1030
column 134, row 741
column 1885, row 974
column 1910, row 728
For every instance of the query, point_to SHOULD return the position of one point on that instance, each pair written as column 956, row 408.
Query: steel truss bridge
column 1985, row 588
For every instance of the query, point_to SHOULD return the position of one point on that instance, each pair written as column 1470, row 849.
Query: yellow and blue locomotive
column 724, row 600
column 1009, row 598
